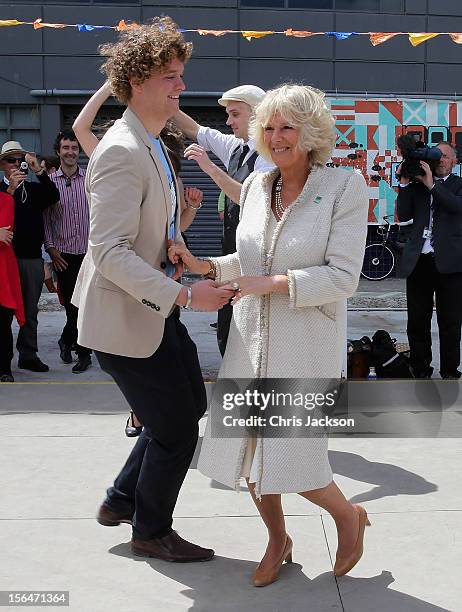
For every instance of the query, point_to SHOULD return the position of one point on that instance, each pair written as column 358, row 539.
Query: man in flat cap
column 237, row 153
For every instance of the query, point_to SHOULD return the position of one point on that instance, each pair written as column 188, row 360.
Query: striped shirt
column 67, row 222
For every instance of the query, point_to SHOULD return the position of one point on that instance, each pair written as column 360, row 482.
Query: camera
column 24, row 167
column 413, row 151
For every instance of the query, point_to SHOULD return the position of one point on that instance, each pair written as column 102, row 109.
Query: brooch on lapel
column 317, row 199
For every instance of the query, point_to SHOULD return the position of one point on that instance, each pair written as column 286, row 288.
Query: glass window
column 263, row 3
column 314, row 4
column 392, row 6
column 3, row 120
column 25, row 117
column 357, row 5
column 29, row 139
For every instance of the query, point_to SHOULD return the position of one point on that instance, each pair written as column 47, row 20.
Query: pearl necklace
column 278, row 205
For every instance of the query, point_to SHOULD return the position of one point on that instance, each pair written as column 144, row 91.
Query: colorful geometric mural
column 367, row 131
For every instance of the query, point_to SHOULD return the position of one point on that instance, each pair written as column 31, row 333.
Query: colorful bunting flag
column 121, row 26
column 377, row 38
column 299, row 33
column 10, row 22
column 212, row 32
column 38, row 23
column 249, row 34
column 341, row 35
column 418, row 38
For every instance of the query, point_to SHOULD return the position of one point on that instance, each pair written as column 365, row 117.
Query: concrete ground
column 63, row 442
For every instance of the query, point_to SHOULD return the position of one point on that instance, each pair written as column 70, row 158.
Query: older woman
column 300, row 246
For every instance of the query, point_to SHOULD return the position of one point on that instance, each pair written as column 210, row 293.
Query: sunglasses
column 13, row 160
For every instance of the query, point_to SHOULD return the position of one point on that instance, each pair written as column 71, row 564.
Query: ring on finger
column 235, row 287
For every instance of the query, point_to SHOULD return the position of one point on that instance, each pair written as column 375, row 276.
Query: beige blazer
column 122, row 292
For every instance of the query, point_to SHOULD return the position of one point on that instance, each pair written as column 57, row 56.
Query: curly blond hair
column 139, row 51
column 302, row 107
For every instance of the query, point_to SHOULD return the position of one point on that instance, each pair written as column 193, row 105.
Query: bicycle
column 379, row 258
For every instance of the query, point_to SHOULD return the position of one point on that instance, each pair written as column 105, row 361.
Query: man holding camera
column 432, row 262
column 31, row 199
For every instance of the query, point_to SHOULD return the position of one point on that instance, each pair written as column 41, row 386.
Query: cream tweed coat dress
column 319, row 243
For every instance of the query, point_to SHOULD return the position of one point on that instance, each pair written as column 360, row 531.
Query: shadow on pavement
column 389, row 480
column 225, row 584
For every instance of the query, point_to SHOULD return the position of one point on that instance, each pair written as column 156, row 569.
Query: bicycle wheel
column 378, row 262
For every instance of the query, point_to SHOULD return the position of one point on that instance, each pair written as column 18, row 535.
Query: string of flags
column 376, row 38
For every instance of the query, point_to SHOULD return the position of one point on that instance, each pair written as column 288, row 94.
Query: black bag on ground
column 387, row 361
column 358, row 357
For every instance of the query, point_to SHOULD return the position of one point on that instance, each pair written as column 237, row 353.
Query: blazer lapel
column 133, row 121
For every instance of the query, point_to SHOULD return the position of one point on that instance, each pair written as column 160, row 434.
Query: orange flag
column 299, row 33
column 377, row 38
column 249, row 34
column 457, row 38
column 121, row 26
column 420, row 37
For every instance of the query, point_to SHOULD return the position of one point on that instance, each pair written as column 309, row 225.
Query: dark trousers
column 6, row 340
column 422, row 284
column 225, row 315
column 66, row 280
column 31, row 275
column 167, row 393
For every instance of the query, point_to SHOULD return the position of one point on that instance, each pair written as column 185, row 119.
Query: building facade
column 47, row 74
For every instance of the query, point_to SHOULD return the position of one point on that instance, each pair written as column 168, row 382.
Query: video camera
column 413, row 151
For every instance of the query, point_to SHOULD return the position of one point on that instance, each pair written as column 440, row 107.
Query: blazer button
column 163, row 265
column 144, row 301
column 157, row 308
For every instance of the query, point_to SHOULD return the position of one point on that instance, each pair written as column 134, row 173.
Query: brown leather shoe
column 109, row 518
column 171, row 548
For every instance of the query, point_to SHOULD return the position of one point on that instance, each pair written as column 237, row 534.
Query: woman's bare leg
column 270, row 509
column 342, row 511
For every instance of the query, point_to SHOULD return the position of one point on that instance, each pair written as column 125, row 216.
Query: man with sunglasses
column 31, row 199
column 66, row 240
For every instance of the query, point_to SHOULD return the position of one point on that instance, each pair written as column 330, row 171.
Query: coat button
column 143, row 301
column 152, row 305
column 163, row 265
column 157, row 308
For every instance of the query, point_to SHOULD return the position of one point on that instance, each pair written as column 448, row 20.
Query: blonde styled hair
column 140, row 51
column 302, row 107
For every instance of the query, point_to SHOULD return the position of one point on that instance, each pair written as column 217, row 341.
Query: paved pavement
column 62, row 442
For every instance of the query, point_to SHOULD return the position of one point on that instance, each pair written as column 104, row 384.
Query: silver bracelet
column 188, row 299
column 195, row 207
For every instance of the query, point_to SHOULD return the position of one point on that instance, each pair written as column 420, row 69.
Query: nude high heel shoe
column 262, row 578
column 344, row 564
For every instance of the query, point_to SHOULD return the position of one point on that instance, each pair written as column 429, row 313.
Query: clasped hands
column 233, row 290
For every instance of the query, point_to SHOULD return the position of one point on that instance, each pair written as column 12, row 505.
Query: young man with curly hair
column 127, row 292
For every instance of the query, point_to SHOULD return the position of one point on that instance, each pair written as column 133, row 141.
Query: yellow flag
column 10, row 22
column 418, row 38
column 249, row 34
